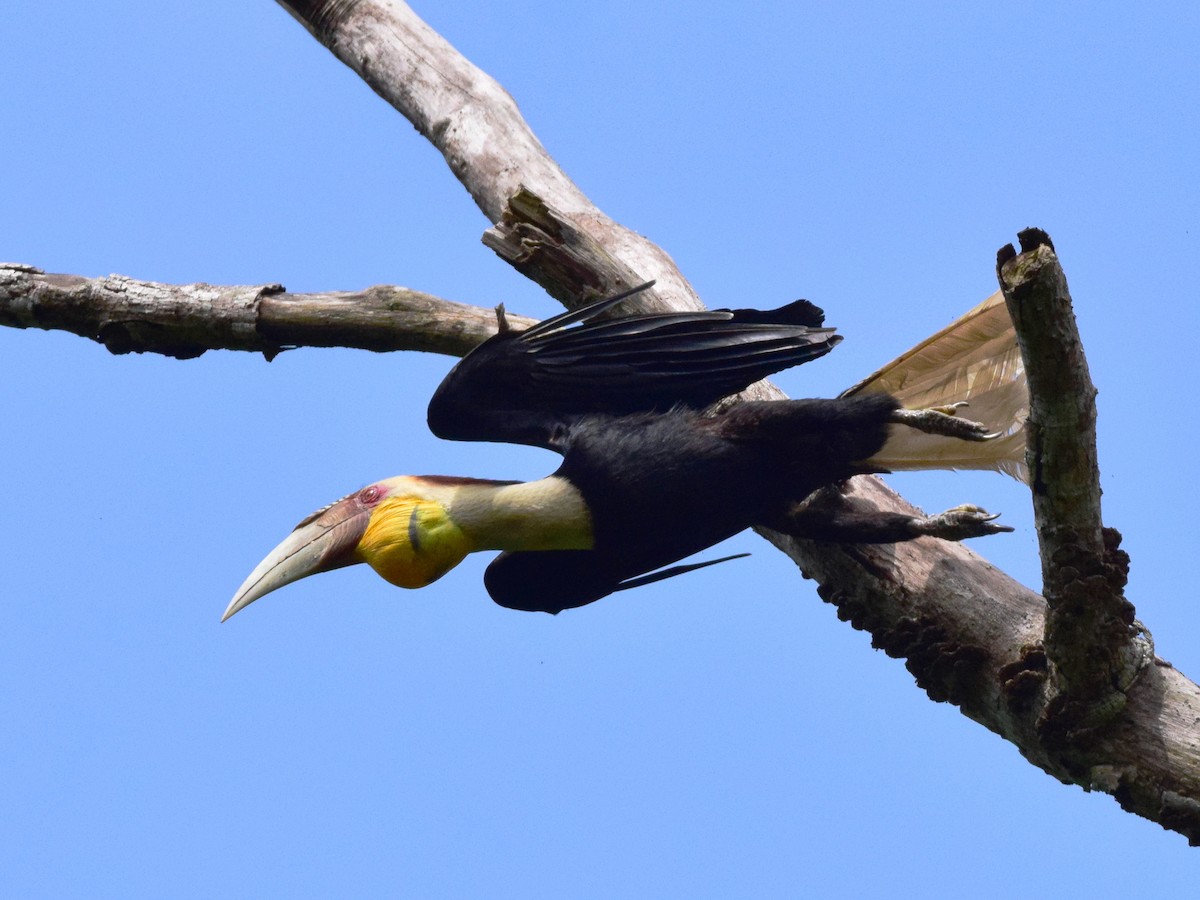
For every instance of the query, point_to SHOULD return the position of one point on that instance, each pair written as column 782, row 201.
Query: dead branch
column 1094, row 645
column 184, row 321
column 477, row 127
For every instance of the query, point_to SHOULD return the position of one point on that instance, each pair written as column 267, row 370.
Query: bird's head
column 399, row 526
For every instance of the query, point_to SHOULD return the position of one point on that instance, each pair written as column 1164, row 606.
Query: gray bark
column 184, row 321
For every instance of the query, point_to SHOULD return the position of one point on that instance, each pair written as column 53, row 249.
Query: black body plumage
column 623, row 401
column 661, row 487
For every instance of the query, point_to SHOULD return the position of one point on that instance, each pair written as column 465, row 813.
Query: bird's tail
column 974, row 359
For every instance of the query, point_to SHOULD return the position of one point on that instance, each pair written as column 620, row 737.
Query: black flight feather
column 527, row 387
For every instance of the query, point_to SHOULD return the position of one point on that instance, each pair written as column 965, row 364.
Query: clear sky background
column 718, row 735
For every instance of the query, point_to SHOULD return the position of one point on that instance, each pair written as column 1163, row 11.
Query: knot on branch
column 323, row 18
column 572, row 265
column 1022, row 680
column 544, row 246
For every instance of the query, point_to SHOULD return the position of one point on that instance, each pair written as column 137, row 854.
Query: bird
column 657, row 465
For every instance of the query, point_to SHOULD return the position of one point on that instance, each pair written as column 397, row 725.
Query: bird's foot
column 960, row 523
column 943, row 420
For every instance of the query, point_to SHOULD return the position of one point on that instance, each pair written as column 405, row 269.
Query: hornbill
column 652, row 472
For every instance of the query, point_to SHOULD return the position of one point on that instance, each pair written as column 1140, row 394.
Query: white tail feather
column 974, row 359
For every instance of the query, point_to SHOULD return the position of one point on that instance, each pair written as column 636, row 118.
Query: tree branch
column 1092, row 640
column 184, row 321
column 478, row 128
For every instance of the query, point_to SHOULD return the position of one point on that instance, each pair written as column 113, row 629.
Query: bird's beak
column 321, row 542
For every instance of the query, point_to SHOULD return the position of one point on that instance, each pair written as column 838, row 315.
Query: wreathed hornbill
column 650, row 473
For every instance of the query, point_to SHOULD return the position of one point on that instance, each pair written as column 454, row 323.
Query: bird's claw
column 943, row 420
column 960, row 523
column 951, row 409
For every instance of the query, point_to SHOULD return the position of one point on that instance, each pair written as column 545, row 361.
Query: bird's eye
column 369, row 496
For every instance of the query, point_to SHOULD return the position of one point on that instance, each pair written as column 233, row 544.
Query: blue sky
column 717, row 735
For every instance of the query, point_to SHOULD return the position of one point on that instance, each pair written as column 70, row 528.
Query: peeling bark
column 542, row 244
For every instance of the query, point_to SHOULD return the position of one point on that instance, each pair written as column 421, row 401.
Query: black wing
column 554, row 580
column 524, row 387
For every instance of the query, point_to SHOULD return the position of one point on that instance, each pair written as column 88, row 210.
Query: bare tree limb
column 184, row 321
column 1092, row 639
column 477, row 127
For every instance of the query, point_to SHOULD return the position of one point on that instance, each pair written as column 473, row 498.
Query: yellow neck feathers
column 423, row 528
